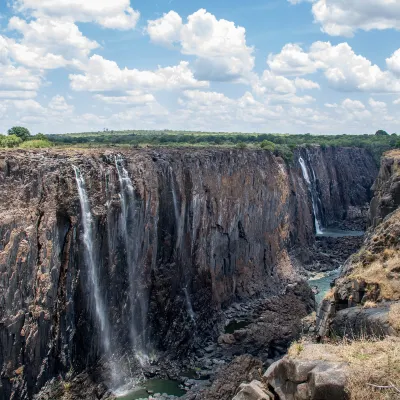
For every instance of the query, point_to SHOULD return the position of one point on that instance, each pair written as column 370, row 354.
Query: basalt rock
column 205, row 228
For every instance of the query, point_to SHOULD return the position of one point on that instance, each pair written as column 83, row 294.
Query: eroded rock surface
column 204, row 228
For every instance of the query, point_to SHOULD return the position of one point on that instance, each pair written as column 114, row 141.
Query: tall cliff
column 104, row 254
column 370, row 281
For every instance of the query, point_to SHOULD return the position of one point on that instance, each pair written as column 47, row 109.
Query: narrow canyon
column 121, row 266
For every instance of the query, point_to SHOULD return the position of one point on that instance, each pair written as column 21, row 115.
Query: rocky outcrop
column 386, row 189
column 296, row 379
column 175, row 236
column 370, row 278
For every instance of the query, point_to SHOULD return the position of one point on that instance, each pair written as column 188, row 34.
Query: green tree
column 20, row 131
column 381, row 133
column 40, row 136
column 11, row 141
column 267, row 145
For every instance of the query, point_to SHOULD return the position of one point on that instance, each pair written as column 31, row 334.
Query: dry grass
column 370, row 304
column 394, row 316
column 370, row 363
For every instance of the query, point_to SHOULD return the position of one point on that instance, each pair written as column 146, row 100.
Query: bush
column 20, row 131
column 284, row 151
column 10, row 141
column 36, row 144
column 267, row 145
column 241, row 145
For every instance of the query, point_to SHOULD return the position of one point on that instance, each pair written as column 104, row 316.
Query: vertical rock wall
column 208, row 227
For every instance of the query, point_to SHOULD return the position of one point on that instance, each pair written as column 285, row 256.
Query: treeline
column 282, row 143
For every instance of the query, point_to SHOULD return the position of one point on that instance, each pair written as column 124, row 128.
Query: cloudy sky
column 322, row 66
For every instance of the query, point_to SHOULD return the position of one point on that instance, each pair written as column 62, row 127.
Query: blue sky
column 290, row 66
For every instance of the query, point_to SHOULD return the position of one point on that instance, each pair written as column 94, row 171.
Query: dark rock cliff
column 342, row 178
column 370, row 281
column 199, row 229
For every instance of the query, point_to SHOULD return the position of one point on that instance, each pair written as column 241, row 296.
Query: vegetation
column 10, row 141
column 36, row 144
column 280, row 144
column 20, row 131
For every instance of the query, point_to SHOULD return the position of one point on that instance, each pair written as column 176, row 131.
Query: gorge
column 125, row 264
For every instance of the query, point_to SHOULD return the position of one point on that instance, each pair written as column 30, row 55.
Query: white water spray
column 189, row 305
column 310, row 188
column 137, row 298
column 90, row 258
column 92, row 264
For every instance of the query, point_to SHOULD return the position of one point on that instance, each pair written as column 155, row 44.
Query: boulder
column 294, row 379
column 254, row 390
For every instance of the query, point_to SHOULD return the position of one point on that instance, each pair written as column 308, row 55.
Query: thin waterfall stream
column 138, row 323
column 92, row 264
column 306, row 176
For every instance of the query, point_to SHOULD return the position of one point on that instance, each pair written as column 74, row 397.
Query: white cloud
column 46, row 43
column 132, row 97
column 393, row 62
column 117, row 14
column 306, row 84
column 344, row 17
column 396, row 102
column 17, row 94
column 58, row 104
column 165, row 30
column 220, row 46
column 18, row 78
column 344, row 69
column 377, row 106
column 105, row 75
column 292, row 60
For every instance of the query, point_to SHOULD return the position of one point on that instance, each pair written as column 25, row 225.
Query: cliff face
column 370, row 278
column 147, row 251
column 386, row 189
column 341, row 179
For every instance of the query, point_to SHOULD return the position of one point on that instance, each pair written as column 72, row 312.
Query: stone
column 328, row 381
column 254, row 390
column 226, row 339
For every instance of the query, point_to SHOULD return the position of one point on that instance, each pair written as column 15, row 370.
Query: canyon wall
column 174, row 236
column 342, row 179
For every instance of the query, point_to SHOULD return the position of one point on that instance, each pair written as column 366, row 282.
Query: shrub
column 241, row 145
column 267, row 145
column 36, row 144
column 10, row 141
column 20, row 131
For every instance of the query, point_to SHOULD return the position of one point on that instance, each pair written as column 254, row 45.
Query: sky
column 287, row 66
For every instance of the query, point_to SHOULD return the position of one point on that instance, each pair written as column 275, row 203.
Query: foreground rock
column 307, row 380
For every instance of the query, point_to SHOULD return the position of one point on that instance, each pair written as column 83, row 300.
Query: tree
column 381, row 133
column 20, row 131
column 11, row 141
column 267, row 145
column 40, row 136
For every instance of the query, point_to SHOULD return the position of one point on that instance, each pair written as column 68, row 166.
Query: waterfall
column 306, row 176
column 92, row 264
column 90, row 258
column 189, row 305
column 137, row 297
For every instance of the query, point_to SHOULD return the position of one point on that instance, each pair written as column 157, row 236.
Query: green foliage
column 381, row 133
column 284, row 151
column 375, row 144
column 267, row 145
column 36, row 144
column 241, row 145
column 39, row 136
column 10, row 141
column 20, row 131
